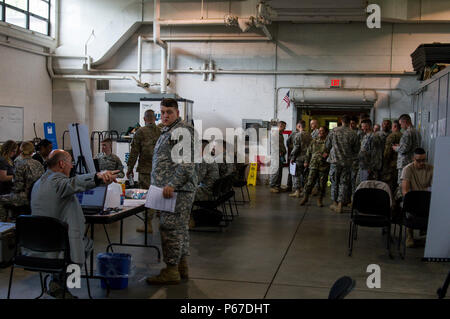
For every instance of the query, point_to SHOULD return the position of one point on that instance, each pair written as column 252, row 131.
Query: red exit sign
column 335, row 83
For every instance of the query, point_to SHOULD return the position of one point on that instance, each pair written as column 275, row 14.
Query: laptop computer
column 93, row 201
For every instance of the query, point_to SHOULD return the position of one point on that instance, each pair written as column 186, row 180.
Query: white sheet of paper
column 155, row 200
column 292, row 167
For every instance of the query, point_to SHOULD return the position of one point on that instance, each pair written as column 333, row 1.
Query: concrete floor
column 274, row 249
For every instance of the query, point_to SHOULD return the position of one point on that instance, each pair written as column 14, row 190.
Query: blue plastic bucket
column 115, row 268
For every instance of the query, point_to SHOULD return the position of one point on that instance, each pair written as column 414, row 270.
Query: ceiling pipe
column 192, row 22
column 162, row 44
column 258, row 72
column 139, row 59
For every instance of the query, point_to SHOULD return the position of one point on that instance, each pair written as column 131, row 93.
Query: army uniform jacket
column 314, row 155
column 342, row 145
column 167, row 172
column 390, row 156
column 301, row 142
column 370, row 153
column 142, row 146
column 110, row 162
column 27, row 171
column 409, row 141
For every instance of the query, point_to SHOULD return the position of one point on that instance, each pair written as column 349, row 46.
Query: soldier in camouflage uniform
column 383, row 134
column 142, row 146
column 342, row 147
column 26, row 172
column 355, row 164
column 275, row 179
column 318, row 167
column 409, row 141
column 370, row 154
column 302, row 140
column 313, row 128
column 107, row 161
column 389, row 175
column 225, row 169
column 290, row 146
column 173, row 176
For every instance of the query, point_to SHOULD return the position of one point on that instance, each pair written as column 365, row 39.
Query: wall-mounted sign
column 335, row 83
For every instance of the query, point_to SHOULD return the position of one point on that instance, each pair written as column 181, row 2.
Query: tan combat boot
column 304, row 200
column 339, row 209
column 141, row 229
column 183, row 268
column 319, row 201
column 296, row 194
column 333, row 206
column 168, row 276
column 409, row 238
column 191, row 223
column 274, row 190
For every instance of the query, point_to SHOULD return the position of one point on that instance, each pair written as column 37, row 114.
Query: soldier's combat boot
column 296, row 194
column 333, row 206
column 339, row 208
column 304, row 200
column 274, row 190
column 319, row 201
column 183, row 268
column 141, row 229
column 409, row 238
column 191, row 223
column 168, row 276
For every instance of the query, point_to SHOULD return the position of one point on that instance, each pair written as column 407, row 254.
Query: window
column 33, row 15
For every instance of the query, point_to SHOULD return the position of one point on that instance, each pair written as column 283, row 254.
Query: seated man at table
column 53, row 195
column 416, row 176
column 109, row 161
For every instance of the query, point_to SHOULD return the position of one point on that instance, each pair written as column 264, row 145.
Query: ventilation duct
column 330, row 97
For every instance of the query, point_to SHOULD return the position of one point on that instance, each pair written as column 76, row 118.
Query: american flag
column 287, row 100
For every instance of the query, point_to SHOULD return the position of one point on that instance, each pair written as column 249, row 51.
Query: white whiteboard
column 11, row 123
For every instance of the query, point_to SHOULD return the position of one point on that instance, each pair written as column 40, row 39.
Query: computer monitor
column 93, row 198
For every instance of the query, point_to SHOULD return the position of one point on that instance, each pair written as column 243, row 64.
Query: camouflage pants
column 203, row 194
column 354, row 175
column 275, row 179
column 289, row 181
column 144, row 180
column 173, row 228
column 319, row 178
column 399, row 177
column 300, row 176
column 340, row 177
column 390, row 177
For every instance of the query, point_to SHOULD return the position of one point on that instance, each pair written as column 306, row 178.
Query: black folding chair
column 415, row 212
column 442, row 291
column 46, row 235
column 341, row 288
column 241, row 182
column 212, row 206
column 371, row 208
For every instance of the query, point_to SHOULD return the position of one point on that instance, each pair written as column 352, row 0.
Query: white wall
column 228, row 99
column 24, row 82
